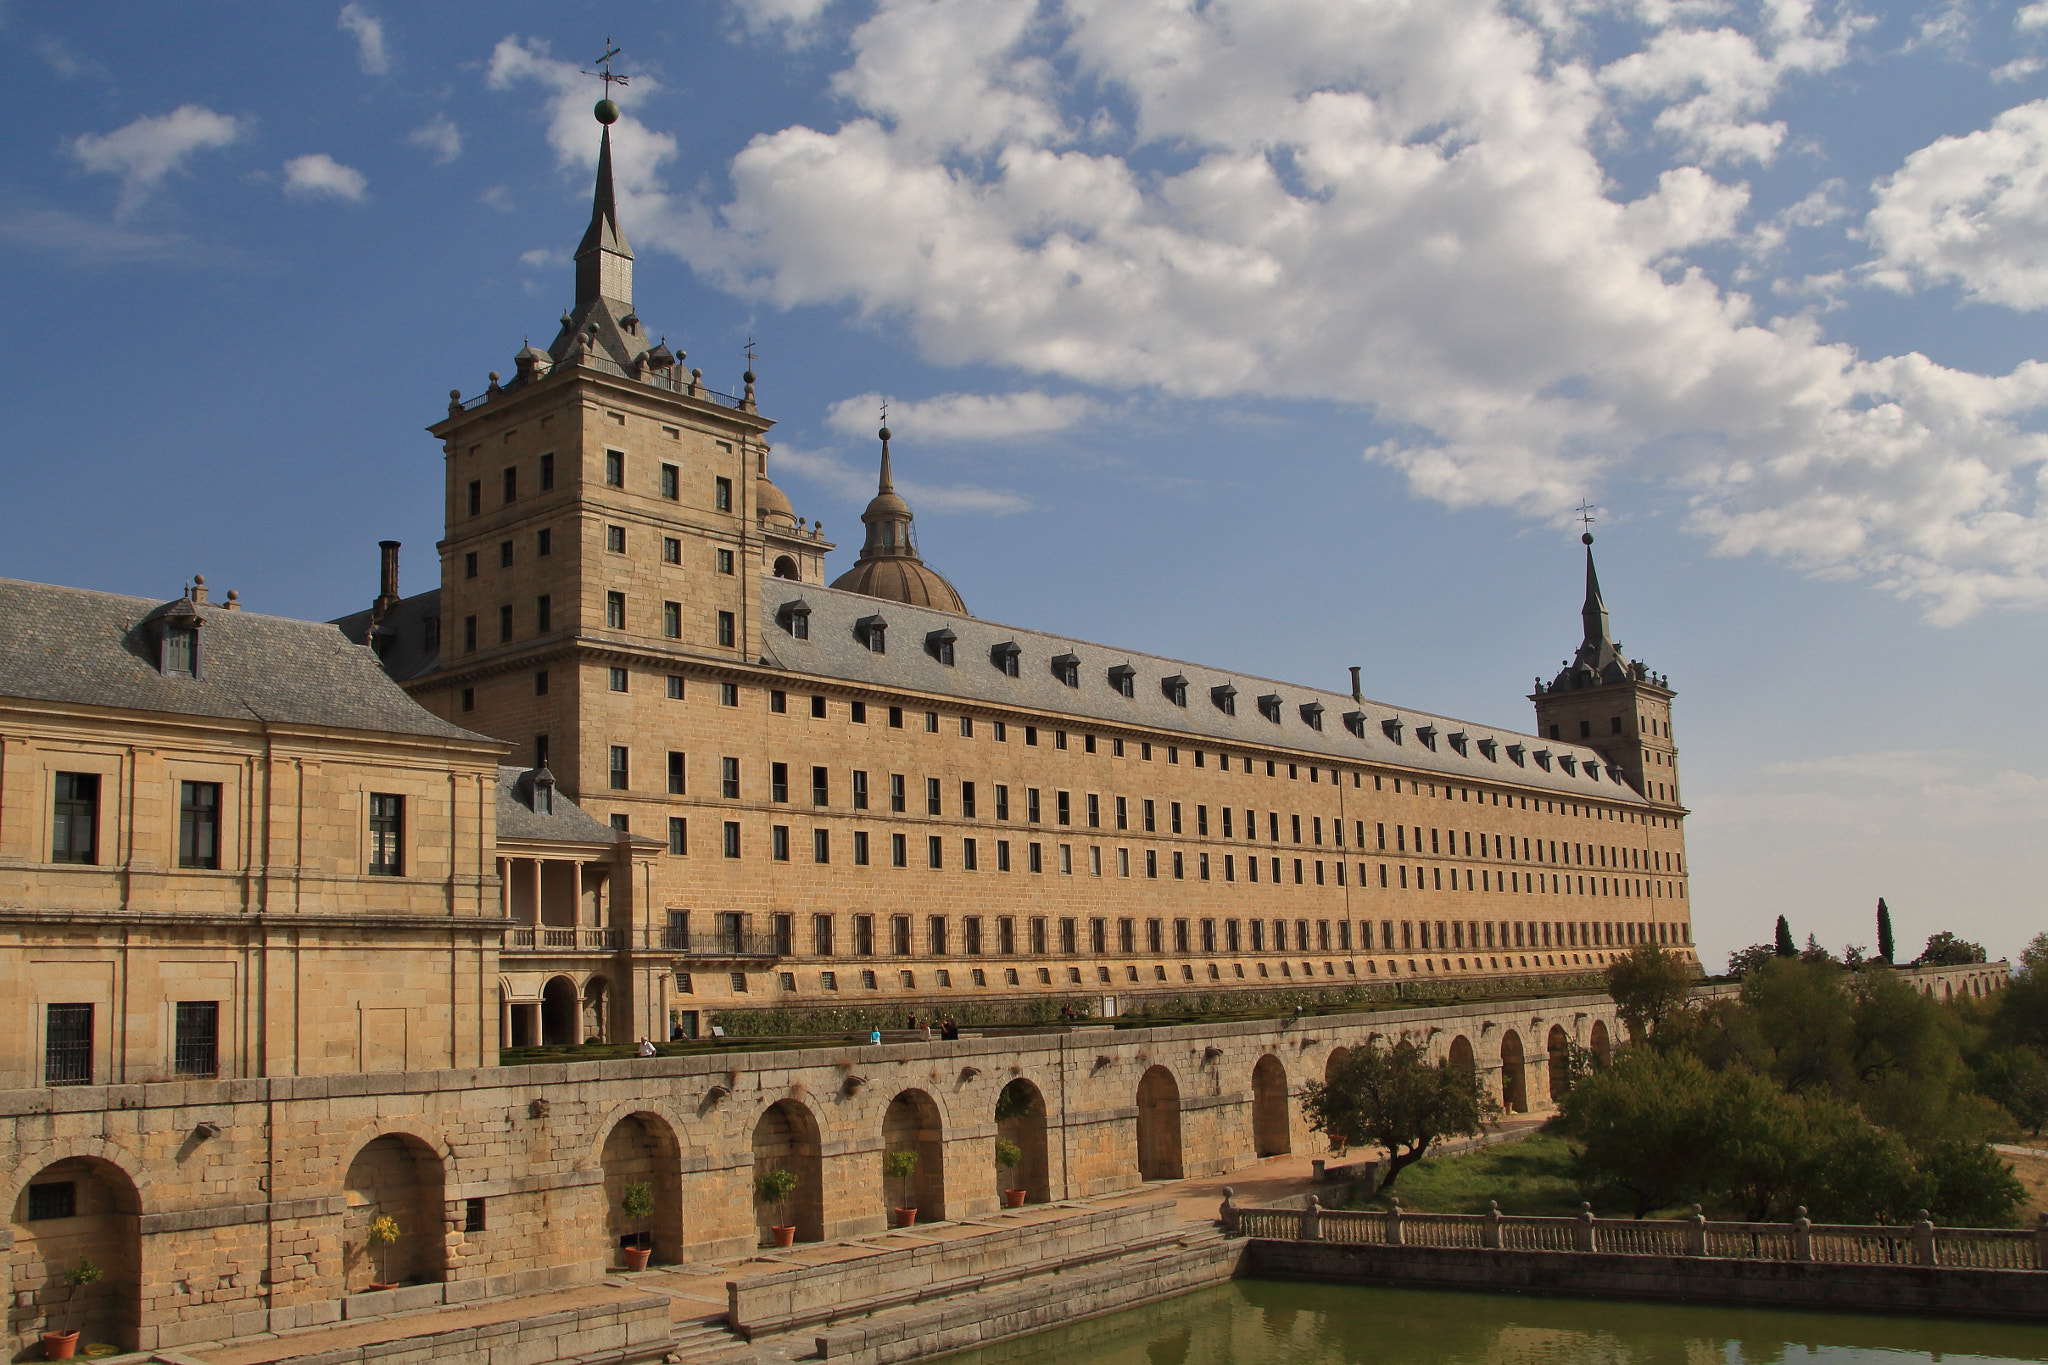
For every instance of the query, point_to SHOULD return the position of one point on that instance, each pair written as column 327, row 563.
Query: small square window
column 728, row 694
column 671, row 550
column 615, row 539
column 675, row 687
column 618, row 679
column 473, row 1215
column 725, row 561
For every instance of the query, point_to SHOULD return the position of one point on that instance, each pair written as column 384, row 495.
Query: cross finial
column 885, row 412
column 1586, row 510
column 750, row 353
column 607, row 75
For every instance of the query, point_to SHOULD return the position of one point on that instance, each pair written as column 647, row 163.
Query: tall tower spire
column 604, row 262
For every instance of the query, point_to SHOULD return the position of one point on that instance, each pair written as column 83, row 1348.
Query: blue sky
column 1279, row 335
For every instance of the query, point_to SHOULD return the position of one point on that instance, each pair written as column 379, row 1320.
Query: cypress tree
column 1884, row 931
column 1786, row 947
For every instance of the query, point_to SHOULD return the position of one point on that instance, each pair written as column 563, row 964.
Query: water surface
column 1267, row 1322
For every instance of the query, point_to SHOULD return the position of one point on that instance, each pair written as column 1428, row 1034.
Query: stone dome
column 902, row 579
column 771, row 504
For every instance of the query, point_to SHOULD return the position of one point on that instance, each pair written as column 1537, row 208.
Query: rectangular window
column 725, row 565
column 1002, row 855
column 864, row 935
column 504, row 623
column 860, row 848
column 615, row 539
column 967, row 800
column 1151, row 819
column 821, row 784
column 778, row 843
column 860, row 789
column 76, row 819
column 721, row 494
column 935, row 852
column 619, row 767
column 729, row 778
column 544, row 542
column 1063, row 803
column 899, row 935
column 511, row 485
column 778, row 782
column 197, row 1047
column 727, row 632
column 1094, row 811
column 732, row 838
column 615, row 610
column 671, row 483
column 547, row 472
column 1002, row 801
column 678, row 774
column 615, row 468
column 678, row 836
column 473, row 1215
column 53, row 1199
column 199, row 824
column 476, row 496
column 931, row 796
column 387, row 835
column 817, row 708
column 672, row 620
column 671, row 550
column 778, row 701
column 1035, row 858
column 469, row 565
column 67, row 1045
column 505, row 554
column 969, row 859
column 675, row 687
column 899, row 851
column 617, row 678
column 896, row 793
column 543, row 613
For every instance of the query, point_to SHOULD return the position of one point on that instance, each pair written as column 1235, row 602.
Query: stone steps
column 706, row 1343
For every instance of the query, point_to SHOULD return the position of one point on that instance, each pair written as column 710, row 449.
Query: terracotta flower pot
column 376, row 1285
column 1015, row 1198
column 785, row 1237
column 60, row 1345
column 637, row 1257
column 906, row 1217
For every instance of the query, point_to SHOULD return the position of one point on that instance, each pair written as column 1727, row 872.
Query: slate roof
column 92, row 648
column 406, row 655
column 836, row 650
column 568, row 823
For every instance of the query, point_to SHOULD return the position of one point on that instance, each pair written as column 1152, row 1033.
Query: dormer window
column 1457, row 739
column 796, row 619
column 1427, row 734
column 1354, row 721
column 1542, row 757
column 1175, row 689
column 1225, row 698
column 1067, row 668
column 181, row 651
column 873, row 632
column 1124, row 679
column 1593, row 771
column 1312, row 714
column 1489, row 750
column 1569, row 763
column 1392, row 725
column 1004, row 656
column 939, row 644
column 1515, row 753
column 1269, row 707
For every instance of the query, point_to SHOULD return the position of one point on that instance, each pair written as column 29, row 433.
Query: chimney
column 1355, row 694
column 387, row 580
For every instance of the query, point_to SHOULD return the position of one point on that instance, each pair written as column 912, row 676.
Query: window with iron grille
column 198, row 1038
column 67, row 1045
column 387, row 835
column 74, row 836
column 199, row 824
column 54, row 1199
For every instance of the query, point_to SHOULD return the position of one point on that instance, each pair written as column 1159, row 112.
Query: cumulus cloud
column 963, row 416
column 320, row 176
column 638, row 152
column 1971, row 211
column 853, row 483
column 797, row 20
column 440, row 136
column 142, row 153
column 368, row 31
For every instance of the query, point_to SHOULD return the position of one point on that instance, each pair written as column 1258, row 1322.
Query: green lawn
column 1531, row 1177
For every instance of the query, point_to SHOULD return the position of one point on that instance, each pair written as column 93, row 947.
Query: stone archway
column 561, row 1012
column 1559, row 1046
column 785, row 567
column 72, row 1211
column 641, row 1149
column 1020, row 1119
column 1158, row 1125
column 1461, row 1055
column 396, row 1176
column 1269, row 1108
column 596, row 1025
column 1601, row 1048
column 1334, row 1063
column 786, row 1139
column 1514, row 1090
column 911, row 1123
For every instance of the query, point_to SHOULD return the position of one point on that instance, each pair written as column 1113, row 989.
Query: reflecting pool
column 1264, row 1322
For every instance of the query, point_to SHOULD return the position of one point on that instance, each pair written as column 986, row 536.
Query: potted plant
column 383, row 1233
column 1008, row 1155
column 63, row 1344
column 773, row 1187
column 638, row 1205
column 901, row 1166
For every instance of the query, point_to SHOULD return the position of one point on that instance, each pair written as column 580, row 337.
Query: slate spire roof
column 1599, row 658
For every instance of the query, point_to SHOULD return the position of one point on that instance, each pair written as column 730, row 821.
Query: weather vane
column 1586, row 513
column 885, row 412
column 750, row 352
column 607, row 75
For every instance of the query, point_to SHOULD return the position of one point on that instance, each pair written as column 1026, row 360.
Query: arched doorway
column 1269, row 1108
column 641, row 1149
column 595, row 1028
column 1559, row 1045
column 1514, row 1092
column 1334, row 1063
column 911, row 1123
column 73, row 1211
column 786, row 1139
column 560, row 1012
column 1020, row 1121
column 1461, row 1055
column 1158, row 1125
column 396, row 1176
column 1602, row 1049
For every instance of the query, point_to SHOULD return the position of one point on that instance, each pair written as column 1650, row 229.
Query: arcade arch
column 1158, row 1125
column 786, row 1139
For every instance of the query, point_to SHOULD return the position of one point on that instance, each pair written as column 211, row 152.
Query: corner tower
column 608, row 516
column 1603, row 699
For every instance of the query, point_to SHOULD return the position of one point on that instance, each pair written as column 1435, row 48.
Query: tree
column 1884, row 932
column 1645, row 1127
column 2016, row 1078
column 1964, row 1184
column 1778, row 1152
column 1813, row 952
column 1397, row 1098
column 1946, row 950
column 1743, row 961
column 1785, row 946
column 1649, row 986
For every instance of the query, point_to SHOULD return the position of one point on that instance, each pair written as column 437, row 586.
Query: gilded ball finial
column 606, row 112
column 1586, row 539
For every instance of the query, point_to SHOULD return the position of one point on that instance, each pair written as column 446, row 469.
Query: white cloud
column 638, row 152
column 851, row 483
column 796, row 19
column 962, row 416
column 68, row 65
column 498, row 198
column 2031, row 18
column 368, row 31
column 1972, row 211
column 440, row 136
column 142, row 153
column 320, row 176
column 541, row 258
column 2018, row 69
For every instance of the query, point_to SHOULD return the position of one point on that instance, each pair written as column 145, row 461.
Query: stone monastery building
column 862, row 793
